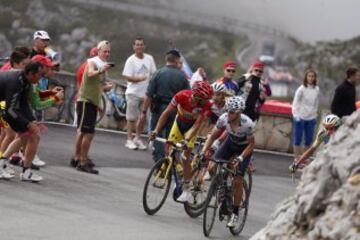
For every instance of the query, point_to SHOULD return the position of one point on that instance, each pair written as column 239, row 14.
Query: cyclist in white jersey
column 239, row 142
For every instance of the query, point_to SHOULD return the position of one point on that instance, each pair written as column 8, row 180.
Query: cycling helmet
column 202, row 89
column 218, row 87
column 331, row 121
column 235, row 103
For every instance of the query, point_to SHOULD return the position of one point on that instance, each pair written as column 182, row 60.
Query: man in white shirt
column 137, row 70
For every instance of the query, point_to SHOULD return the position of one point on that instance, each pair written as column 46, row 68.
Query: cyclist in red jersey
column 193, row 107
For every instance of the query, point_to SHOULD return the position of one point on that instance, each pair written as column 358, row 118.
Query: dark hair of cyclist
column 23, row 49
column 33, row 67
column 305, row 77
column 351, row 71
column 16, row 57
column 138, row 39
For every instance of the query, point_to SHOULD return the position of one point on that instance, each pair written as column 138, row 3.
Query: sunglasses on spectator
column 258, row 70
column 230, row 70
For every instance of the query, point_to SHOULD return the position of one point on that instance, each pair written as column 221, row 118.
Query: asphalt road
column 72, row 205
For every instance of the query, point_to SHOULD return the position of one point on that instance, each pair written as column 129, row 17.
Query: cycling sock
column 236, row 210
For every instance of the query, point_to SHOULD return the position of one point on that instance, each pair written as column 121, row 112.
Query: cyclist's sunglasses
column 230, row 70
column 258, row 70
column 200, row 100
column 232, row 111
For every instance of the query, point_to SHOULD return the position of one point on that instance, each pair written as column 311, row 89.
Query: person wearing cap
column 163, row 86
column 39, row 100
column 15, row 88
column 227, row 79
column 138, row 69
column 94, row 81
column 41, row 40
column 252, row 90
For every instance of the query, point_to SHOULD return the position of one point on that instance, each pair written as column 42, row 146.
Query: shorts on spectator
column 86, row 117
column 133, row 107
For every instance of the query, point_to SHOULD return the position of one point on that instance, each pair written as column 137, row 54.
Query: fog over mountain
column 308, row 20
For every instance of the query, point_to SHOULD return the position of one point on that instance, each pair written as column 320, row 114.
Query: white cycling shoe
column 185, row 196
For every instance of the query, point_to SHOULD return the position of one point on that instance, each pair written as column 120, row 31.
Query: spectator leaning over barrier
column 163, row 86
column 15, row 88
column 94, row 81
column 227, row 79
column 344, row 101
column 304, row 110
column 137, row 70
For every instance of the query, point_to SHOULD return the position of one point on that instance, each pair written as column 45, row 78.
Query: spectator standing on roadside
column 304, row 110
column 15, row 89
column 41, row 40
column 227, row 79
column 344, row 101
column 163, row 86
column 94, row 81
column 252, row 90
column 138, row 69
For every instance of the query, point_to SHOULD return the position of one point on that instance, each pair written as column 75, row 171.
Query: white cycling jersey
column 241, row 134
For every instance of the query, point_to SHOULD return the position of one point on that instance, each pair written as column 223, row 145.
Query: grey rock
column 326, row 205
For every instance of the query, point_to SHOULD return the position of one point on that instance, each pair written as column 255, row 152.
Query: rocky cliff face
column 327, row 202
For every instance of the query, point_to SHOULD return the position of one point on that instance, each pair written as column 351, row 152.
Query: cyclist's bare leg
column 85, row 147
column 238, row 190
column 187, row 165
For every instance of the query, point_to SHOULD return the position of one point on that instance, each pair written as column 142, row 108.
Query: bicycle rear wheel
column 243, row 211
column 156, row 187
column 248, row 178
column 211, row 206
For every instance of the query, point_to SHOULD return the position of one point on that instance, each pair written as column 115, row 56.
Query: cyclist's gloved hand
column 152, row 136
column 183, row 144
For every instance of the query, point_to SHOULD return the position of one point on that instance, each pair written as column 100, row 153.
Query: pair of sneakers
column 135, row 143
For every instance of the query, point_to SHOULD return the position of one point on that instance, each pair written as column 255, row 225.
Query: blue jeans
column 159, row 147
column 305, row 127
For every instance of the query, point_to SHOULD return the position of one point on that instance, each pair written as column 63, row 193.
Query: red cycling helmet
column 202, row 89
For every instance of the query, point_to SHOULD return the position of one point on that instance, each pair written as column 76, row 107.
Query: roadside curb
column 145, row 135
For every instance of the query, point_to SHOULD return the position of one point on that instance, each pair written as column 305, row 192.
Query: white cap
column 42, row 35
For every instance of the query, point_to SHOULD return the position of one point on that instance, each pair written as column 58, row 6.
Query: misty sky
column 309, row 20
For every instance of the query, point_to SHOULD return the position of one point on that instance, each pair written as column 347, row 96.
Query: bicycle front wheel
column 210, row 208
column 243, row 211
column 157, row 186
column 199, row 193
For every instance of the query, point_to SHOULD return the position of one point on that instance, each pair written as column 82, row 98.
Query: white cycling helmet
column 235, row 103
column 331, row 121
column 218, row 87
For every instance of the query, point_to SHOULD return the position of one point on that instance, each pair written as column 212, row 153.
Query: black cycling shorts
column 86, row 117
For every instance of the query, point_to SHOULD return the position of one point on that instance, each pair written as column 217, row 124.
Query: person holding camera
column 137, row 71
column 93, row 83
